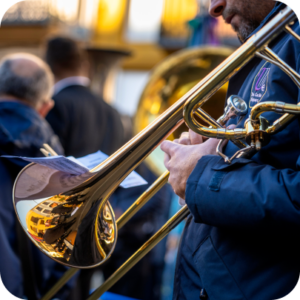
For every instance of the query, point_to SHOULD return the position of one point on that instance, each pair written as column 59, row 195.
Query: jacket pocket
column 216, row 278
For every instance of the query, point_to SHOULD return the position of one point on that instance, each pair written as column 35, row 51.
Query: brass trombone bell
column 69, row 217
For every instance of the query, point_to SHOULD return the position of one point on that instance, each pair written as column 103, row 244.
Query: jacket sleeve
column 244, row 195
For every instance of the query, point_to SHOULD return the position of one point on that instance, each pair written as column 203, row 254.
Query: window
column 33, row 229
column 34, row 220
column 47, row 211
column 42, row 222
column 144, row 20
column 39, row 208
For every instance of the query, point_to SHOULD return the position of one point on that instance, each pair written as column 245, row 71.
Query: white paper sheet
column 63, row 173
column 59, row 163
column 94, row 159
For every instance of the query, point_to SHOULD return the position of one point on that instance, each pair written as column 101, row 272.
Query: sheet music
column 59, row 173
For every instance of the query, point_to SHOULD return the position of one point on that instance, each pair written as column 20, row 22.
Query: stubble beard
column 245, row 29
column 252, row 13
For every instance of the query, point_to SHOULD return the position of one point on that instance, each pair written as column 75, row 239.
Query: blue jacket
column 241, row 239
column 22, row 133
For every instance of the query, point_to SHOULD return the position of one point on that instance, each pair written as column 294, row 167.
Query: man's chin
column 242, row 32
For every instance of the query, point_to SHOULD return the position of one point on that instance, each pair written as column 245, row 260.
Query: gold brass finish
column 139, row 254
column 289, row 110
column 143, row 199
column 220, row 75
column 84, row 221
column 278, row 107
column 85, row 214
column 268, row 55
column 256, row 133
column 289, row 30
column 169, row 81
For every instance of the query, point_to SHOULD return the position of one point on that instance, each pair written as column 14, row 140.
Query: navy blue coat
column 241, row 239
column 22, row 133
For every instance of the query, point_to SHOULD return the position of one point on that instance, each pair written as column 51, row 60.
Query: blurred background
column 135, row 34
column 143, row 55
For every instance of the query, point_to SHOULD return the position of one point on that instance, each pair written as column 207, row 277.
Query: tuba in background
column 169, row 81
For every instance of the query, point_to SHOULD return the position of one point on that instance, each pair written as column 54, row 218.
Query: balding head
column 25, row 77
column 25, row 65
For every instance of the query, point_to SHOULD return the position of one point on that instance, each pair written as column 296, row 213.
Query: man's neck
column 10, row 98
column 14, row 99
column 65, row 75
column 69, row 81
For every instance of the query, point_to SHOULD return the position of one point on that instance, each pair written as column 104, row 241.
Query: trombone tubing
column 278, row 107
column 160, row 234
column 141, row 145
column 133, row 209
column 123, row 219
column 203, row 91
column 138, row 255
column 114, row 169
column 211, row 83
column 289, row 110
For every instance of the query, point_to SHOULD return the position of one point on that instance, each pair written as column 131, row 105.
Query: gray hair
column 33, row 87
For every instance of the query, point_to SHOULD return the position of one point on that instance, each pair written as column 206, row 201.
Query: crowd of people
column 50, row 102
column 240, row 238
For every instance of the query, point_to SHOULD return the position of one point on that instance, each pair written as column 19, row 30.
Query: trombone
column 86, row 237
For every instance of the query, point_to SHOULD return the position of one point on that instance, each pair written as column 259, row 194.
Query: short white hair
column 34, row 86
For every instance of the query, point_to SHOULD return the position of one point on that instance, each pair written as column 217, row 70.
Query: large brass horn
column 169, row 81
column 91, row 231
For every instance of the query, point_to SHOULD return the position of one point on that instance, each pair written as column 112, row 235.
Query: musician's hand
column 182, row 155
column 180, row 160
column 190, row 138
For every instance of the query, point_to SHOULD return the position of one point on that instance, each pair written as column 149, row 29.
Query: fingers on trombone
column 168, row 147
column 184, row 138
column 196, row 138
column 166, row 161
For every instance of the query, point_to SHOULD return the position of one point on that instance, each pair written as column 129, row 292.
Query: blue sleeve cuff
column 192, row 194
column 205, row 181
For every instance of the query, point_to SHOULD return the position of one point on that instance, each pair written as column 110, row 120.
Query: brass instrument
column 89, row 226
column 169, row 81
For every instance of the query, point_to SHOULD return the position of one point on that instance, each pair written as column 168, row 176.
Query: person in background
column 25, row 91
column 83, row 121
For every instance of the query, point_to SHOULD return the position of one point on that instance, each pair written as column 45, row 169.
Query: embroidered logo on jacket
column 259, row 86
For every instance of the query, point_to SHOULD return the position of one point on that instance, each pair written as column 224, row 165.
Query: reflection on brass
column 53, row 225
column 104, row 230
column 48, row 223
column 78, row 228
